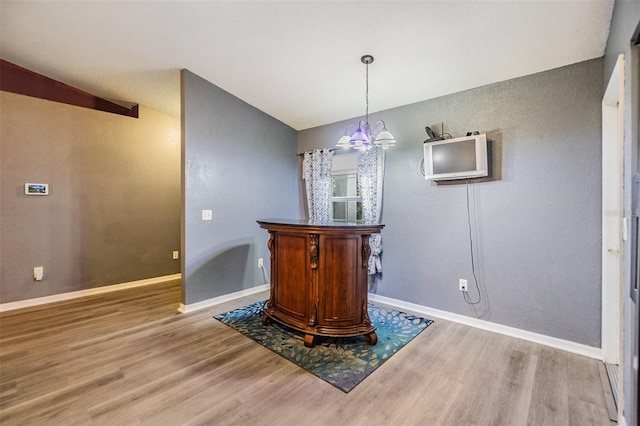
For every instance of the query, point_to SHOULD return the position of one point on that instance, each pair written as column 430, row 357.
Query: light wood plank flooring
column 127, row 358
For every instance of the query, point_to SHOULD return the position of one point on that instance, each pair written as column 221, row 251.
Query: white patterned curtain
column 317, row 175
column 370, row 176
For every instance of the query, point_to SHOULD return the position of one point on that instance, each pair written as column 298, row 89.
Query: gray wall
column 626, row 15
column 113, row 213
column 536, row 223
column 242, row 164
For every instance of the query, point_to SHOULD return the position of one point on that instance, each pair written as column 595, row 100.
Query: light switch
column 207, row 215
column 38, row 273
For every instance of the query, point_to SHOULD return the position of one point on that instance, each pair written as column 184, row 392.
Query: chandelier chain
column 366, row 116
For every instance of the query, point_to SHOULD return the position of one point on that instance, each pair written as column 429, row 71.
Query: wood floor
column 127, row 358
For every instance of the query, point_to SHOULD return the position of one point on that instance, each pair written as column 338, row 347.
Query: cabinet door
column 340, row 296
column 291, row 268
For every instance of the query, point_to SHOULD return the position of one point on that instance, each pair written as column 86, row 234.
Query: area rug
column 342, row 362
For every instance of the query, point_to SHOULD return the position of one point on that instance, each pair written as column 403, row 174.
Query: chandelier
column 364, row 136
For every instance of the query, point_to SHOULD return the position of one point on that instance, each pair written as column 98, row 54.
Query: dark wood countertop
column 324, row 226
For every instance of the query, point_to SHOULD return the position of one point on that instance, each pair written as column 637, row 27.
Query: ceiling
column 299, row 61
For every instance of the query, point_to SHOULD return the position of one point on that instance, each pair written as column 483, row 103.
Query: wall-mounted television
column 459, row 158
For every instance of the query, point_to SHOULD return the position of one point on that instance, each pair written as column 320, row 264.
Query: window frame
column 348, row 167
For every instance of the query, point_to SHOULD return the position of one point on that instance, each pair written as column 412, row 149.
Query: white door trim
column 612, row 212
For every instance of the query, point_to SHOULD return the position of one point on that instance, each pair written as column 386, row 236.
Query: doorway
column 613, row 228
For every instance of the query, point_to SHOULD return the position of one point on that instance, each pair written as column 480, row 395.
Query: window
column 346, row 202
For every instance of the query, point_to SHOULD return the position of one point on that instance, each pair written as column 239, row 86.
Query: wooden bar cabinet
column 319, row 278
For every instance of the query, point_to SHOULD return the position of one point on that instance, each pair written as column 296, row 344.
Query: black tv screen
column 454, row 158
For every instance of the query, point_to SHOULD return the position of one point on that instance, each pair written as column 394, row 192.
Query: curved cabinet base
column 310, row 333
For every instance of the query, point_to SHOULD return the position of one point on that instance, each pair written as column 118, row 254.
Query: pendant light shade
column 344, row 141
column 364, row 136
column 384, row 138
column 359, row 137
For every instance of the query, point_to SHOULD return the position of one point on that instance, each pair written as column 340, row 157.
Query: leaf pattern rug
column 343, row 362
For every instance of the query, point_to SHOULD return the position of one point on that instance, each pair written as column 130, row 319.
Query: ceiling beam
column 22, row 81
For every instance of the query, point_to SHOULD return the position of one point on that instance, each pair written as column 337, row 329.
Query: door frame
column 612, row 214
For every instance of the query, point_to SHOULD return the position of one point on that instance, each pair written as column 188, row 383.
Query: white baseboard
column 566, row 345
column 185, row 309
column 87, row 292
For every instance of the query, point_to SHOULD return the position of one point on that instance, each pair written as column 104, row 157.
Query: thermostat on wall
column 36, row 188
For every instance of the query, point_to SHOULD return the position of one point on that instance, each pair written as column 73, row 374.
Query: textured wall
column 536, row 222
column 242, row 164
column 113, row 213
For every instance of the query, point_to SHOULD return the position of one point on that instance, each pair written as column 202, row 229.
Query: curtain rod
column 330, row 149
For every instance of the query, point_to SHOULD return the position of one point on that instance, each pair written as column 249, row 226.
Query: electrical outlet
column 260, row 263
column 207, row 214
column 176, row 254
column 462, row 285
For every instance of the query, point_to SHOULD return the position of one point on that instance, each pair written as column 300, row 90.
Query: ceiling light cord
column 366, row 115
